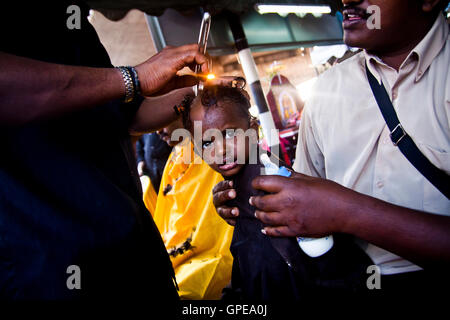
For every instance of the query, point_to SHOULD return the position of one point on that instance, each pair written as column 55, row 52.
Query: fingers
column 223, row 192
column 191, row 55
column 274, row 184
column 271, row 184
column 178, row 82
column 266, row 203
column 297, row 175
column 199, row 60
column 222, row 186
column 272, row 219
column 228, row 214
column 221, row 197
column 282, row 231
column 204, row 61
column 226, row 81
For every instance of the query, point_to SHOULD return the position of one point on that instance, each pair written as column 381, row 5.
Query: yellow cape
column 197, row 239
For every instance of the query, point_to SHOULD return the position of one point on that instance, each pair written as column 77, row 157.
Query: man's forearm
column 157, row 112
column 32, row 90
column 420, row 237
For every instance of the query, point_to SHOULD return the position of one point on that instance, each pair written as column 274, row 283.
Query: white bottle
column 313, row 247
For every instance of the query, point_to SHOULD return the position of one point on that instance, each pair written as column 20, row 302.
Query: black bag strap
column 403, row 141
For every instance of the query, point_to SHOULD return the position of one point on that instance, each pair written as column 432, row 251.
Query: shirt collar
column 371, row 60
column 431, row 45
column 426, row 50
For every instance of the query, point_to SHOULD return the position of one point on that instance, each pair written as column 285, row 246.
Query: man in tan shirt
column 344, row 137
column 354, row 180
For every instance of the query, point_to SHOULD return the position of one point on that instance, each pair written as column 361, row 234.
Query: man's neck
column 394, row 56
column 395, row 59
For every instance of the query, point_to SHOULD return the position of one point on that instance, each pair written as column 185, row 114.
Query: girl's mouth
column 228, row 166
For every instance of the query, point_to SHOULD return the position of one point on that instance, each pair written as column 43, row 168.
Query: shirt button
column 380, row 184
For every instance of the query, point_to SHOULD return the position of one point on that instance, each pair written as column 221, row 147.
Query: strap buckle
column 396, row 135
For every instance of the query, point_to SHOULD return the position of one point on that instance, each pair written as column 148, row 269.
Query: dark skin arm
column 296, row 207
column 157, row 112
column 31, row 90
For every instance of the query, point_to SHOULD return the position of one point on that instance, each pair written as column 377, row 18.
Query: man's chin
column 359, row 39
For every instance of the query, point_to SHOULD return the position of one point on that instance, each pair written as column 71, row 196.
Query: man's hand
column 222, row 192
column 301, row 205
column 314, row 207
column 158, row 76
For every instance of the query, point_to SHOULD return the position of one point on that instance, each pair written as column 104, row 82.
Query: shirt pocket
column 433, row 200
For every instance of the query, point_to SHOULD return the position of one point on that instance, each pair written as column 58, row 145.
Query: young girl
column 264, row 268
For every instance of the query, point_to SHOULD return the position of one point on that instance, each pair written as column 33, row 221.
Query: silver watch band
column 129, row 85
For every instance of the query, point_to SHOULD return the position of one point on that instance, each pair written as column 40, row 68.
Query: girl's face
column 226, row 138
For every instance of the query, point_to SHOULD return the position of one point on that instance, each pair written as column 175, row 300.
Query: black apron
column 276, row 269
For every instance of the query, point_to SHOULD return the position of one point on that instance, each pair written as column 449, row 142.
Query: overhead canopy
column 116, row 9
column 176, row 22
column 264, row 32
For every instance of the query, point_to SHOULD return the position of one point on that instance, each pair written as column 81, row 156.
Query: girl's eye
column 206, row 144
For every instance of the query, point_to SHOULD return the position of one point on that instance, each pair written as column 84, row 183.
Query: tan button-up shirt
column 343, row 136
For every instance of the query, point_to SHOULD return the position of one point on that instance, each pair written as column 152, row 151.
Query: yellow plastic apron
column 196, row 238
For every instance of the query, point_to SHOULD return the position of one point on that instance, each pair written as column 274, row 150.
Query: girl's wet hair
column 216, row 97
